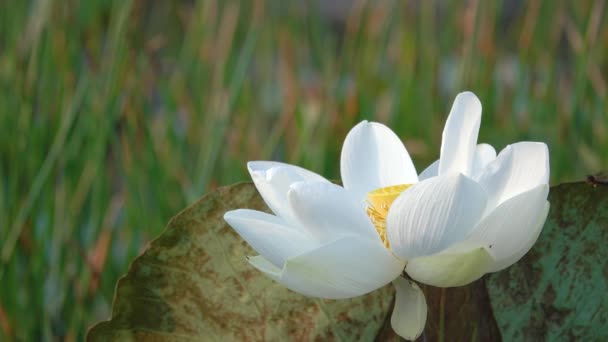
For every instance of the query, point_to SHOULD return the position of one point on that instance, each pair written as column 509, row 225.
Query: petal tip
column 258, row 169
column 361, row 125
column 228, row 215
column 469, row 97
column 232, row 217
column 254, row 165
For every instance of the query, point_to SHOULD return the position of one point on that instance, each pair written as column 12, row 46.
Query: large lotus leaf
column 559, row 290
column 194, row 283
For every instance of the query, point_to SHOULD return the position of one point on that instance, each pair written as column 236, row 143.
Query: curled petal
column 434, row 214
column 409, row 315
column 460, row 135
column 344, row 268
column 374, row 157
column 273, row 179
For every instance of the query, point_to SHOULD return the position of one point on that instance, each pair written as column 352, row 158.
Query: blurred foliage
column 114, row 115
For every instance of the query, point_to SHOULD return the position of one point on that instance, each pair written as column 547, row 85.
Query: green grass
column 115, row 115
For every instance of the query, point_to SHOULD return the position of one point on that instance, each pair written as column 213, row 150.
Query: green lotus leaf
column 559, row 290
column 193, row 283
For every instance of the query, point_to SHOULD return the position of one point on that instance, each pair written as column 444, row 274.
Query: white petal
column 456, row 266
column 513, row 227
column 518, row 168
column 430, row 171
column 329, row 211
column 265, row 266
column 409, row 315
column 525, row 246
column 484, row 155
column 273, row 179
column 269, row 235
column 434, row 214
column 344, row 268
column 374, row 157
column 460, row 135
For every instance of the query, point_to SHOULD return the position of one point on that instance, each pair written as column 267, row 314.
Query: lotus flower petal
column 409, row 315
column 460, row 135
column 269, row 235
column 329, row 211
column 431, row 171
column 345, row 268
column 273, row 179
column 513, row 227
column 374, row 157
column 434, row 214
column 484, row 155
column 517, row 168
column 458, row 265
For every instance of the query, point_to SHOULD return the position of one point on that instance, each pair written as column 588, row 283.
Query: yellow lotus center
column 379, row 202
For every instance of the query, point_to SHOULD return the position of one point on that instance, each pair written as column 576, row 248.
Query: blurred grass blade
column 45, row 170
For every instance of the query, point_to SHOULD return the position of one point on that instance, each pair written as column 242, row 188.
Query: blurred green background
column 115, row 115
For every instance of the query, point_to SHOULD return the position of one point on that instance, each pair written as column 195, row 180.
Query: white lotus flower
column 470, row 213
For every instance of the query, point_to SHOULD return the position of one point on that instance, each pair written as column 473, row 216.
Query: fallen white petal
column 269, row 235
column 460, row 135
column 517, row 168
column 374, row 157
column 409, row 315
column 456, row 266
column 344, row 268
column 329, row 211
column 434, row 214
column 273, row 179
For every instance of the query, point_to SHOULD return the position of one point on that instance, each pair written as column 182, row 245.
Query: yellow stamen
column 380, row 201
